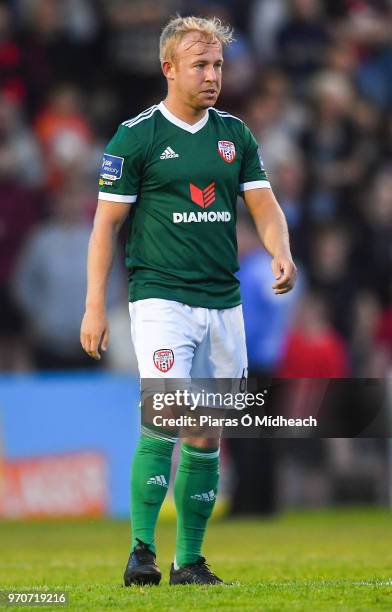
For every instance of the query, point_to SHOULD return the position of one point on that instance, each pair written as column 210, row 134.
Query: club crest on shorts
column 226, row 150
column 163, row 360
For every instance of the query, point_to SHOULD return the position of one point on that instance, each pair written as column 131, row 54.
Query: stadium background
column 313, row 80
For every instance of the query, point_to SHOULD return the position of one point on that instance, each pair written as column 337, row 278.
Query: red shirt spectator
column 314, row 349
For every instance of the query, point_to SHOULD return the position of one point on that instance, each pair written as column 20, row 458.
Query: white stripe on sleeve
column 115, row 197
column 255, row 185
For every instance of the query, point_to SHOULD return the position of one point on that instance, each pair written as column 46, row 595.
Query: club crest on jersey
column 163, row 360
column 226, row 150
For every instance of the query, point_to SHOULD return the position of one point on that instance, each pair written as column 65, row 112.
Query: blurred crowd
column 311, row 78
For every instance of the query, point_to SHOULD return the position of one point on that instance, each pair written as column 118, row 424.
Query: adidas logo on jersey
column 169, row 153
column 204, row 497
column 158, row 480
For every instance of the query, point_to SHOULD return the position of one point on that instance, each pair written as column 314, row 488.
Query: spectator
column 64, row 133
column 330, row 142
column 264, row 342
column 14, row 227
column 302, row 42
column 289, row 177
column 366, row 317
column 266, row 20
column 314, row 349
column 330, row 273
column 50, row 282
column 381, row 356
column 375, row 243
column 133, row 30
column 12, row 83
column 21, row 144
column 59, row 40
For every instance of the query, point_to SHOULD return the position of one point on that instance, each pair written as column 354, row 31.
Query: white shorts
column 173, row 340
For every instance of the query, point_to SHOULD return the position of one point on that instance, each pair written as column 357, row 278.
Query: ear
column 168, row 69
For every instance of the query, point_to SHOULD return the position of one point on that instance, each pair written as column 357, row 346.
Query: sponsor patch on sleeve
column 105, row 183
column 112, row 167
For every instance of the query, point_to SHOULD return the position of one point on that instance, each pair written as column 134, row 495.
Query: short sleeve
column 253, row 174
column 121, row 169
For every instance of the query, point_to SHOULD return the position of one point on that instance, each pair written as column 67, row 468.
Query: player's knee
column 204, row 443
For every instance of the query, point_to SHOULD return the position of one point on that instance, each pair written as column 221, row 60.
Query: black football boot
column 141, row 567
column 194, row 573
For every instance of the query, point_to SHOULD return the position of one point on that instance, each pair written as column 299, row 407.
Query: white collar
column 182, row 124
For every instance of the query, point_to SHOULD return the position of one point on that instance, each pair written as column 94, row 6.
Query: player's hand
column 94, row 332
column 285, row 273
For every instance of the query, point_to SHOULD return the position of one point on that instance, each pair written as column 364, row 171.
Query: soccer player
column 176, row 169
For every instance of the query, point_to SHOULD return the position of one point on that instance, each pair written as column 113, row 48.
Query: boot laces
column 203, row 570
column 143, row 551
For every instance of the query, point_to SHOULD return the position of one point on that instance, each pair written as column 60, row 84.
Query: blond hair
column 172, row 34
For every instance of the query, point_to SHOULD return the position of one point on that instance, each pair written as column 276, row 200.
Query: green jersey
column 182, row 181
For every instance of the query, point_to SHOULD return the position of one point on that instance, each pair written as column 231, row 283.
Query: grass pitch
column 324, row 560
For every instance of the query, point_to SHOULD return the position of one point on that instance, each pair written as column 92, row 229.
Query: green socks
column 149, row 483
column 195, row 490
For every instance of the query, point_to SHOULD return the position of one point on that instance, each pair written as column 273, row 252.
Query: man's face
column 196, row 73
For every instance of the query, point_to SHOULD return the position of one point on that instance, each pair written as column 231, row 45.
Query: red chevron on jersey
column 203, row 197
column 226, row 150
